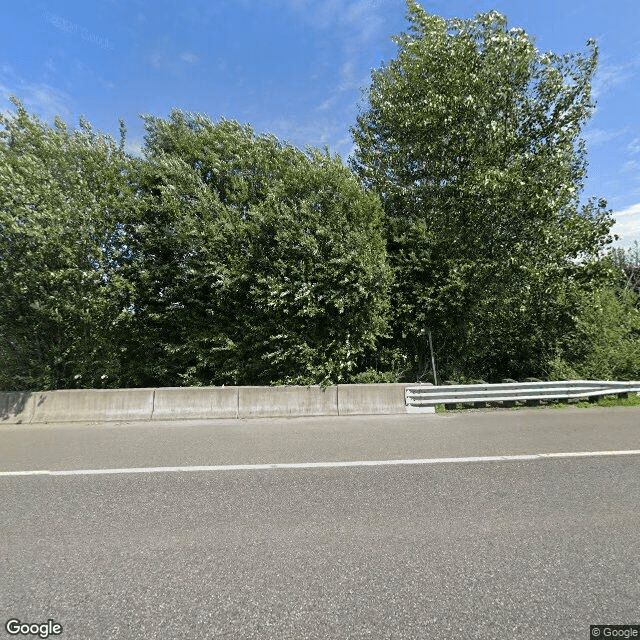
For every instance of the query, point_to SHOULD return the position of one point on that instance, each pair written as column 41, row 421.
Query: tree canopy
column 62, row 196
column 278, row 269
column 471, row 137
column 220, row 257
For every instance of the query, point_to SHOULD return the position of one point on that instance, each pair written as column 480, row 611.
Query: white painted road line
column 321, row 465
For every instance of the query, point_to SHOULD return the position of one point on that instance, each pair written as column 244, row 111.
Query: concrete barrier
column 362, row 399
column 182, row 403
column 16, row 407
column 69, row 405
column 273, row 402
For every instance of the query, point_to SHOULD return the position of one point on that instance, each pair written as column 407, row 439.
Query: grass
column 605, row 401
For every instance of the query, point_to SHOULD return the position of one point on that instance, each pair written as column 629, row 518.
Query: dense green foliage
column 219, row 258
column 258, row 263
column 61, row 298
column 605, row 344
column 225, row 257
column 471, row 137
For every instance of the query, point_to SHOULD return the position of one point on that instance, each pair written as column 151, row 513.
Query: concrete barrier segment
column 274, row 402
column 363, row 399
column 16, row 407
column 184, row 403
column 80, row 405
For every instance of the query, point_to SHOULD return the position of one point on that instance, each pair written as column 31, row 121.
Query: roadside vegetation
column 221, row 256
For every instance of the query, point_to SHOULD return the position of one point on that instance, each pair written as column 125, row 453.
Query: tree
column 256, row 263
column 62, row 197
column 471, row 137
column 628, row 262
column 606, row 343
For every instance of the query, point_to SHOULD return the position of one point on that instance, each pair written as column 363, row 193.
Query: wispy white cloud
column 48, row 100
column 327, row 104
column 155, row 58
column 164, row 57
column 366, row 19
column 631, row 165
column 347, row 76
column 634, row 146
column 611, row 75
column 326, row 12
column 349, row 27
column 361, row 18
column 599, row 136
column 359, row 23
column 349, row 79
column 189, row 58
column 317, row 133
column 88, row 72
column 627, row 224
column 38, row 97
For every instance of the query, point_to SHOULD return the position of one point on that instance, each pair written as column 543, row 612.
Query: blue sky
column 295, row 68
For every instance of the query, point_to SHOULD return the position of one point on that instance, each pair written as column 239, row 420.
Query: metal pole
column 433, row 361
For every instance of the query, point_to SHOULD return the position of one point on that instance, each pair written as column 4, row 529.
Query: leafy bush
column 370, row 376
column 220, row 257
column 606, row 342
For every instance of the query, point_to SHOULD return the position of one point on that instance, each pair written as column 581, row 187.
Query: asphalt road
column 502, row 549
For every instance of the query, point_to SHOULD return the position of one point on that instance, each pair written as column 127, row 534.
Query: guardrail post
column 508, row 403
column 479, row 405
column 449, row 407
column 532, row 403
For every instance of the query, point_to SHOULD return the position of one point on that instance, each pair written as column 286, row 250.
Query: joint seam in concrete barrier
column 153, row 404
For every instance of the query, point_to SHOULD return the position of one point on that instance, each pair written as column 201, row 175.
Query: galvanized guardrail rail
column 510, row 392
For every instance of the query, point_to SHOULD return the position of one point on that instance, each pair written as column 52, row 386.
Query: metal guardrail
column 426, row 396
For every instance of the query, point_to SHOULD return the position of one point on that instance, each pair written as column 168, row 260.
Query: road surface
column 459, row 544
